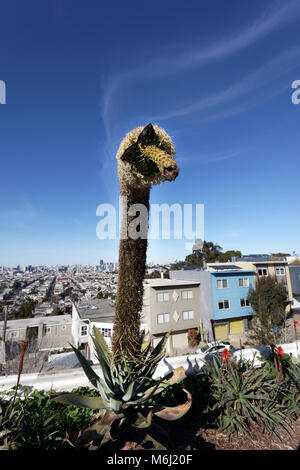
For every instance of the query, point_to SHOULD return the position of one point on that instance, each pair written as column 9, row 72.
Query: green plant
column 243, row 397
column 35, row 421
column 125, row 393
column 26, row 424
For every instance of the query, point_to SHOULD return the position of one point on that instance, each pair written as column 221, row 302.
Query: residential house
column 170, row 305
column 87, row 314
column 232, row 313
column 224, row 309
column 295, row 285
column 43, row 333
column 262, row 265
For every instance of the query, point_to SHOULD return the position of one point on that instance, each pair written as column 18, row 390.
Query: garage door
column 221, row 332
column 236, row 326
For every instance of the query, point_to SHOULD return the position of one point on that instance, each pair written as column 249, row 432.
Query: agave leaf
column 96, row 432
column 176, row 412
column 89, row 372
column 143, row 422
column 145, row 347
column 80, row 400
column 116, row 405
column 102, row 358
column 103, row 386
column 176, row 376
column 131, row 391
column 102, row 345
column 158, row 350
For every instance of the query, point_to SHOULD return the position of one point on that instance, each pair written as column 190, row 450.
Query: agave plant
column 126, row 409
column 243, row 397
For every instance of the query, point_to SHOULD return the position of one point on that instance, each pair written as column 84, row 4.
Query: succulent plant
column 126, row 392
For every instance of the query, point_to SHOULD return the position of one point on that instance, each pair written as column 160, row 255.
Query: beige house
column 171, row 306
column 274, row 268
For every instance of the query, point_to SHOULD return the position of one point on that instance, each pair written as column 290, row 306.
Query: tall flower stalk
column 145, row 158
column 295, row 323
column 24, row 344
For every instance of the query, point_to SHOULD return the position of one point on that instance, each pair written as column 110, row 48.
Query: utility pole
column 2, row 343
column 5, row 322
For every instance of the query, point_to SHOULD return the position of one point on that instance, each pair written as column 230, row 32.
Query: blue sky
column 79, row 75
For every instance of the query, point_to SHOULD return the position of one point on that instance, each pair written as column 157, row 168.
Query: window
column 188, row 315
column 222, row 283
column 187, row 294
column 14, row 334
column 223, row 304
column 244, row 302
column 280, row 271
column 106, row 332
column 163, row 318
column 244, row 282
column 83, row 330
column 262, row 271
column 163, row 297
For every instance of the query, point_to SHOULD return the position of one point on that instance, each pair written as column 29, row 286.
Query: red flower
column 295, row 323
column 280, row 351
column 225, row 355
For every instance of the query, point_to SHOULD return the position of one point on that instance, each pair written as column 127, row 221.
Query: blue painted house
column 231, row 312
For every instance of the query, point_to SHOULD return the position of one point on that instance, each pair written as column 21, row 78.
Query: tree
column 268, row 300
column 296, row 262
column 209, row 252
column 224, row 257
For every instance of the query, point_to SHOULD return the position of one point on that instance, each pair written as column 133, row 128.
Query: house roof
column 169, row 283
column 101, row 310
column 37, row 321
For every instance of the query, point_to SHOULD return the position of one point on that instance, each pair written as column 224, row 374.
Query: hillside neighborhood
column 68, row 302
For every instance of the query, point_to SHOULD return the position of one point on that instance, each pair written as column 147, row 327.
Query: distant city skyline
column 220, row 77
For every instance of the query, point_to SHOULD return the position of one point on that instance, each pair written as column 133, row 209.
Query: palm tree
column 145, row 157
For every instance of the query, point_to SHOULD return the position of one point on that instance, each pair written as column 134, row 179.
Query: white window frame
column 81, row 330
column 245, row 299
column 162, row 297
column 165, row 317
column 281, row 268
column 243, row 279
column 189, row 314
column 222, row 281
column 187, row 294
column 261, row 275
column 106, row 332
column 14, row 334
column 224, row 308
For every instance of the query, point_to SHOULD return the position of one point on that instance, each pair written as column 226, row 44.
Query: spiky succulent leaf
column 131, row 391
column 89, row 372
column 143, row 422
column 80, row 400
column 116, row 405
column 175, row 412
column 102, row 345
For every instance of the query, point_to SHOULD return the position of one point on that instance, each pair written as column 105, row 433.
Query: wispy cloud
column 262, row 77
column 271, row 19
column 205, row 158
